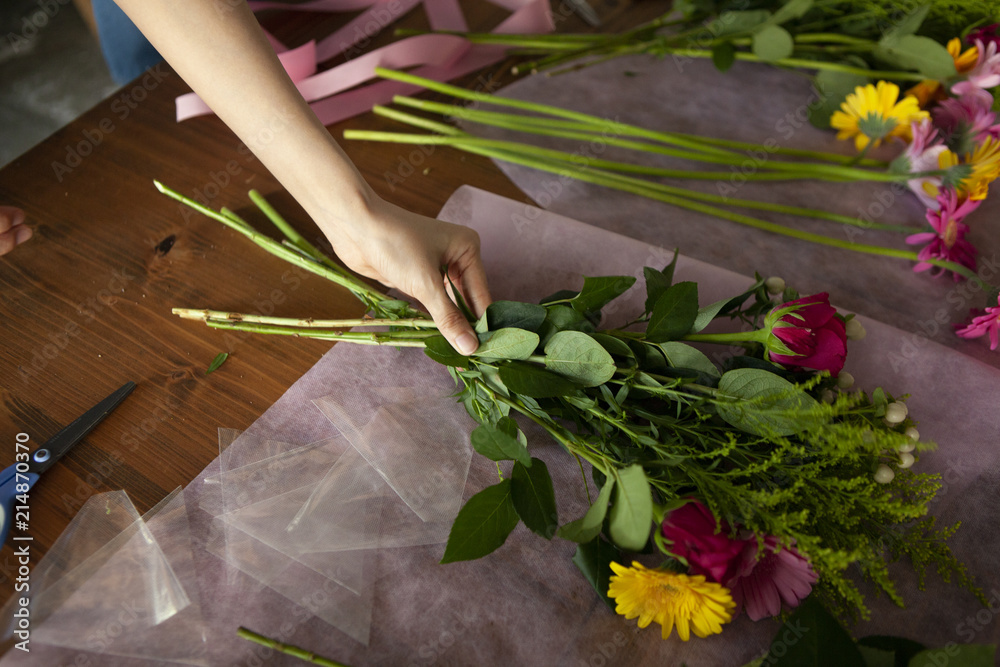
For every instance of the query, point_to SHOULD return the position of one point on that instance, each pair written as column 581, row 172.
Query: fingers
column 450, row 321
column 12, row 231
column 472, row 282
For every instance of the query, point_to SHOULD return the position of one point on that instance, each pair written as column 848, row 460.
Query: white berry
column 896, row 412
column 884, row 474
column 906, row 460
column 845, row 380
column 775, row 285
column 854, row 329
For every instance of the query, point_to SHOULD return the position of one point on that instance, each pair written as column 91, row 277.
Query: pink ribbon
column 335, row 94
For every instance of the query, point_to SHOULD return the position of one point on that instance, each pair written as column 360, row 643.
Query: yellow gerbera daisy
column 870, row 114
column 964, row 60
column 670, row 598
column 985, row 162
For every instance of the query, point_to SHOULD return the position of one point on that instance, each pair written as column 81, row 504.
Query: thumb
column 450, row 321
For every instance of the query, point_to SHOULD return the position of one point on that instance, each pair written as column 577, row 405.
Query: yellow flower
column 964, row 60
column 670, row 598
column 871, row 114
column 985, row 162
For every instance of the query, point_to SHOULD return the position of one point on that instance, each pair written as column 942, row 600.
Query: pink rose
column 807, row 333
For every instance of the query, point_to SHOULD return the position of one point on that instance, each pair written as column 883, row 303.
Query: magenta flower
column 692, row 529
column 985, row 35
column 947, row 241
column 966, row 121
column 761, row 583
column 983, row 322
column 807, row 333
column 923, row 153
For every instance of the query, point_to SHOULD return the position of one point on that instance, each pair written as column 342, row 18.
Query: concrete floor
column 51, row 71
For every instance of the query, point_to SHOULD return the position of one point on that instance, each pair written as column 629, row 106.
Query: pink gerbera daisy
column 947, row 241
column 983, row 322
column 763, row 582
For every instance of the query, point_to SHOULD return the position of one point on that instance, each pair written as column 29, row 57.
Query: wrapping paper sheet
column 759, row 104
column 526, row 603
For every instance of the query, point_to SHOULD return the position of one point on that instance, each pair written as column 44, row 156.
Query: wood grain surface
column 85, row 305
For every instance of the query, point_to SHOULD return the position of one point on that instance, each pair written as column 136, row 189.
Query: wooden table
column 86, row 303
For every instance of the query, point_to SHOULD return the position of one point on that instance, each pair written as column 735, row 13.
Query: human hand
column 407, row 251
column 12, row 231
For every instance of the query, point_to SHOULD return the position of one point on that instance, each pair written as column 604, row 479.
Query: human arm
column 217, row 47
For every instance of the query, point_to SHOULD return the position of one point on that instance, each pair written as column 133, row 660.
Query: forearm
column 218, row 48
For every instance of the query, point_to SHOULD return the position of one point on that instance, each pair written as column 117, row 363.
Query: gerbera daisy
column 670, row 598
column 947, row 241
column 871, row 114
column 983, row 322
column 780, row 575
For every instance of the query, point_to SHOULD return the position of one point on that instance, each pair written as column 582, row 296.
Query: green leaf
column 833, row 89
column 876, row 657
column 534, row 497
column 966, row 655
column 507, row 343
column 579, row 357
column 632, row 511
column 524, row 378
column 496, row 445
column 600, row 291
column 682, row 355
column 674, row 313
column 707, row 314
column 902, row 649
column 732, row 22
column 908, row 25
column 514, row 314
column 811, row 636
column 594, row 561
column 614, row 345
column 440, row 350
column 913, row 52
column 772, row 43
column 767, row 404
column 482, row 525
column 563, row 318
column 587, row 527
column 220, row 359
column 792, row 9
column 723, row 55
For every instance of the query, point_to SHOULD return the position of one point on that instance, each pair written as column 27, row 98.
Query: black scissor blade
column 62, row 441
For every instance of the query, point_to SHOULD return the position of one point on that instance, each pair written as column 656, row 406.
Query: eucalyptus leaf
column 594, row 560
column 682, row 355
column 615, row 346
column 908, row 25
column 578, row 356
column 587, row 527
column 514, row 314
column 765, row 404
column 772, row 43
column 534, row 498
column 509, row 343
column 440, row 350
column 632, row 512
column 600, row 291
column 496, row 445
column 482, row 525
column 811, row 636
column 966, row 655
column 707, row 314
column 723, row 56
column 732, row 22
column 674, row 313
column 792, row 9
column 563, row 318
column 902, row 649
column 876, row 657
column 525, row 378
column 915, row 52
column 657, row 282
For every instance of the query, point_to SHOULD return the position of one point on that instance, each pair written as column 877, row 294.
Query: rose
column 807, row 333
column 692, row 530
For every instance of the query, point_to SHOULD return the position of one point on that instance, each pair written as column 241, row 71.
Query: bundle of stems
column 562, row 123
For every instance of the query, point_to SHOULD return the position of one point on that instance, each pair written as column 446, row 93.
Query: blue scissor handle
column 8, row 495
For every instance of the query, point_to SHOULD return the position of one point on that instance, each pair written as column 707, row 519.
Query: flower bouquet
column 736, row 485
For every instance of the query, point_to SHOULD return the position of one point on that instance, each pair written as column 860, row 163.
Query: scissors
column 18, row 478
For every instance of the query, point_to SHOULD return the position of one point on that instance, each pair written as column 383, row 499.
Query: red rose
column 807, row 333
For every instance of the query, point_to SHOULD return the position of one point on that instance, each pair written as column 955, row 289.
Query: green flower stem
column 391, row 338
column 275, row 248
column 561, row 162
column 288, row 649
column 758, row 336
column 603, row 179
column 599, row 124
column 807, row 64
column 836, row 38
column 224, row 316
column 293, row 235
